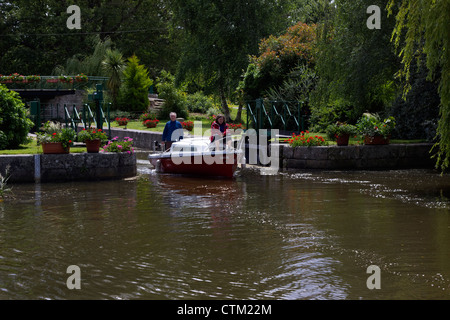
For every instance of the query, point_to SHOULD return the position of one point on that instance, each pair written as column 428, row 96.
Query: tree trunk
column 225, row 108
column 239, row 113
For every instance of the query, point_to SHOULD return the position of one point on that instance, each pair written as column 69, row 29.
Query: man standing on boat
column 173, row 131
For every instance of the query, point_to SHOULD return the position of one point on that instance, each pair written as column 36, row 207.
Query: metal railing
column 71, row 116
column 283, row 115
column 86, row 117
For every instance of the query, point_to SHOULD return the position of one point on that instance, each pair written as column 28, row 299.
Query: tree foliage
column 278, row 57
column 136, row 83
column 14, row 124
column 34, row 36
column 422, row 27
column 417, row 113
column 219, row 36
column 356, row 65
column 114, row 64
column 174, row 99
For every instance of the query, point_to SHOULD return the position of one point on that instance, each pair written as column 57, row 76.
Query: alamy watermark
column 252, row 148
column 374, row 21
column 74, row 281
column 374, row 281
column 74, row 21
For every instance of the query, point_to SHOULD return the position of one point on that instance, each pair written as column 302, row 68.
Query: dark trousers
column 168, row 144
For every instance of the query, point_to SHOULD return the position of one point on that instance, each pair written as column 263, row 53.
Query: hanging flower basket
column 81, row 78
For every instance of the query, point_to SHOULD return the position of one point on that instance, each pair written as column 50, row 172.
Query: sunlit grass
column 33, row 148
column 137, row 125
column 203, row 118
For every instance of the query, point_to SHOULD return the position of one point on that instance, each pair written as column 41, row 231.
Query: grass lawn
column 33, row 148
column 137, row 125
column 206, row 123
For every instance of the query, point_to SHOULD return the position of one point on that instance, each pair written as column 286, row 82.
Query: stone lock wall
column 69, row 167
column 141, row 139
column 361, row 157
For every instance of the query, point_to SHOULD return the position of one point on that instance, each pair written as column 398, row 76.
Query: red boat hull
column 225, row 166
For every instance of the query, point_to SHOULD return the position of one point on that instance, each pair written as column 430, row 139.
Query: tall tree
column 114, row 64
column 135, row 86
column 29, row 37
column 34, row 36
column 355, row 64
column 218, row 37
column 308, row 11
column 278, row 57
column 424, row 26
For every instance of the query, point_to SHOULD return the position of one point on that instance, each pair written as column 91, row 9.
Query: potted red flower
column 92, row 138
column 236, row 126
column 122, row 121
column 374, row 130
column 188, row 125
column 341, row 132
column 151, row 123
column 55, row 139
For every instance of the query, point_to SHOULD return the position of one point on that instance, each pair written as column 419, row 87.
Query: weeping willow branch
column 422, row 28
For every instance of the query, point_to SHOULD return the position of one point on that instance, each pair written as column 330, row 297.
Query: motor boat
column 198, row 156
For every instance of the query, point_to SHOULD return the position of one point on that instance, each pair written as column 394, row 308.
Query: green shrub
column 417, row 116
column 147, row 116
column 174, row 99
column 14, row 124
column 371, row 125
column 3, row 140
column 134, row 92
column 340, row 128
column 338, row 111
column 198, row 102
column 212, row 112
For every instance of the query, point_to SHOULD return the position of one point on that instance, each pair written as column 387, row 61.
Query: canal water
column 293, row 235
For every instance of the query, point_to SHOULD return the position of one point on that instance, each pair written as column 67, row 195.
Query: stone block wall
column 21, row 167
column 361, row 157
column 69, row 167
column 141, row 139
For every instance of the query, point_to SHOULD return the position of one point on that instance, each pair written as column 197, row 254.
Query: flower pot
column 342, row 140
column 54, row 148
column 151, row 124
column 376, row 140
column 93, row 146
column 52, row 80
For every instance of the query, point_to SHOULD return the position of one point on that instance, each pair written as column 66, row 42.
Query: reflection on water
column 304, row 235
